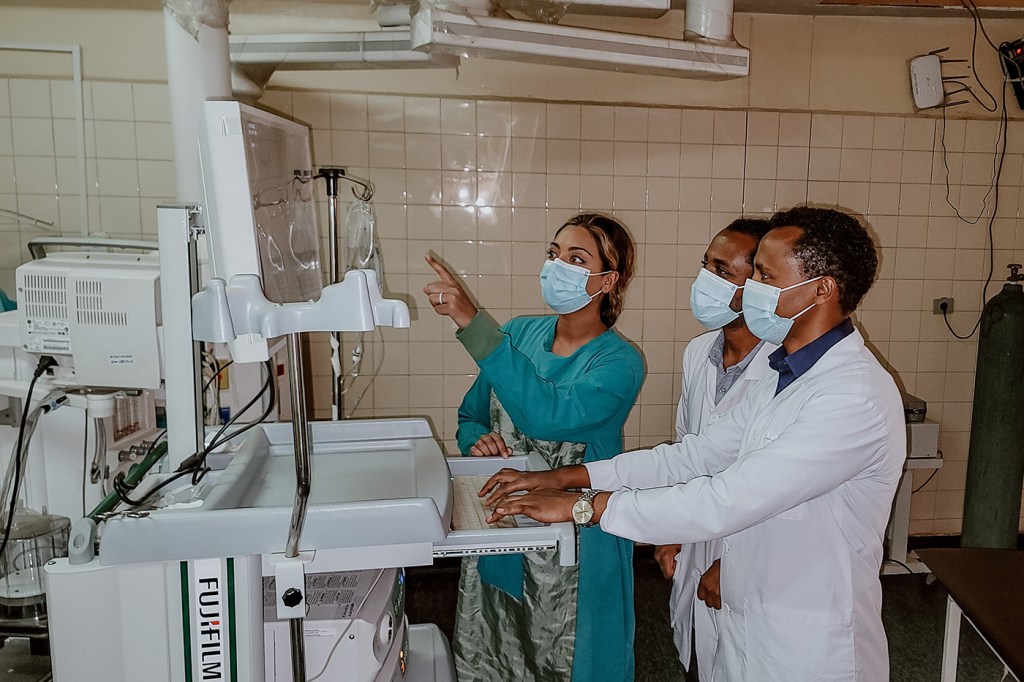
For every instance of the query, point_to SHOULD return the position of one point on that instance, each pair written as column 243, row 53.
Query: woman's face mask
column 710, row 296
column 759, row 303
column 564, row 286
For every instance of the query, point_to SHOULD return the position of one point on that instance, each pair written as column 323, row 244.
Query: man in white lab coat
column 719, row 368
column 798, row 479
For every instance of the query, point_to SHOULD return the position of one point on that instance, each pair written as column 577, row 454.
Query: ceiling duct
column 254, row 59
column 333, row 51
column 464, row 34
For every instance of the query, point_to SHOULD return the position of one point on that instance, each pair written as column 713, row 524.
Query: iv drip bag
column 362, row 248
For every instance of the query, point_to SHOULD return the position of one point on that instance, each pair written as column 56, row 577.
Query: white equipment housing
column 435, row 30
column 346, row 642
column 102, row 310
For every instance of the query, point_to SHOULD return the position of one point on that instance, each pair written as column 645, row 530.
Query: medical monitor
column 257, row 183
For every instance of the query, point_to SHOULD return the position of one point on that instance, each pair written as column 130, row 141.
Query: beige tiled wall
column 129, row 162
column 484, row 183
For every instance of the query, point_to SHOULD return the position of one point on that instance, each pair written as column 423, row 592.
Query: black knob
column 291, row 597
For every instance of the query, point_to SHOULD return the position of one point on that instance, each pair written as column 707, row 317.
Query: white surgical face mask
column 564, row 286
column 759, row 303
column 710, row 297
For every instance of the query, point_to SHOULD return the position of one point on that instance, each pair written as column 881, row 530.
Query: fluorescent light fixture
column 649, row 9
column 439, row 32
column 334, row 51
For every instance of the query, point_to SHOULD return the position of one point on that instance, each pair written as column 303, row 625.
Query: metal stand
column 332, row 176
column 301, row 438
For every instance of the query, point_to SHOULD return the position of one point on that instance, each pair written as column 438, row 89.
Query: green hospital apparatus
column 995, row 464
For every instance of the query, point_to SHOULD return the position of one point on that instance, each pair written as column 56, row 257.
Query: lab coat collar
column 792, row 366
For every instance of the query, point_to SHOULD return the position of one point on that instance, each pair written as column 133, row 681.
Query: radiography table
column 381, row 482
column 381, row 497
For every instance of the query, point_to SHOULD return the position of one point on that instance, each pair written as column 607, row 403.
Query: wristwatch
column 583, row 509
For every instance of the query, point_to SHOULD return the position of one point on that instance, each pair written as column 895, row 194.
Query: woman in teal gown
column 560, row 385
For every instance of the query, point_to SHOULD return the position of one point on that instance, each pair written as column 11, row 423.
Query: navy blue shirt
column 792, row 367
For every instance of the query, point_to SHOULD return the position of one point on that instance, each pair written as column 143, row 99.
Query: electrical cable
column 211, row 402
column 44, row 364
column 373, row 377
column 926, row 482
column 270, row 385
column 972, row 8
column 200, row 469
column 85, row 457
column 347, row 628
column 998, row 158
column 220, row 371
column 195, row 465
column 908, row 569
column 973, row 11
column 99, row 463
column 122, row 489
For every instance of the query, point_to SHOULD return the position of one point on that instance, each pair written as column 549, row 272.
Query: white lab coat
column 696, row 410
column 799, row 485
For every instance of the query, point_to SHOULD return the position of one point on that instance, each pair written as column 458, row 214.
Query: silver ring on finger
column 440, row 297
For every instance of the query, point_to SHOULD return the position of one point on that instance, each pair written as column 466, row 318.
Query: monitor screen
column 257, row 177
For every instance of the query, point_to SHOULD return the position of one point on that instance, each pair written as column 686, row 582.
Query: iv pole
column 332, row 175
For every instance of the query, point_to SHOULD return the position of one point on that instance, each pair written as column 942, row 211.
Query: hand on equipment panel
column 490, row 445
column 709, row 589
column 544, row 505
column 666, row 555
column 448, row 296
column 509, row 481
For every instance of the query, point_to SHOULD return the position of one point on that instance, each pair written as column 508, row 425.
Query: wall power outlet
column 938, row 303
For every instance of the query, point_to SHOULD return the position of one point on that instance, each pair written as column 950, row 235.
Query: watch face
column 582, row 511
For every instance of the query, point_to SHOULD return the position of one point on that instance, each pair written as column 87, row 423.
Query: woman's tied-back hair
column 615, row 248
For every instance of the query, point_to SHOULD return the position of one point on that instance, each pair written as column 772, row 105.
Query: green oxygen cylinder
column 995, row 461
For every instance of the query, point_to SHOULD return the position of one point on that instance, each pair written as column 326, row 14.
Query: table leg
column 951, row 642
column 899, row 522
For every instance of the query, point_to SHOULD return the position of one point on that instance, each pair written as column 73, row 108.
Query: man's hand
column 709, row 589
column 491, row 445
column 545, row 505
column 509, row 481
column 448, row 296
column 666, row 555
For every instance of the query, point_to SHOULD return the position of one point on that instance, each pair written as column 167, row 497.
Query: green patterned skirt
column 499, row 636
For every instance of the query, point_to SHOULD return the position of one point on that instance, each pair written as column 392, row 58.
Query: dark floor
column 914, row 613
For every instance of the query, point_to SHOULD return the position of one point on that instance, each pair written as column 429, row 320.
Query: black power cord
column 997, row 167
column 200, row 469
column 195, row 465
column 45, row 363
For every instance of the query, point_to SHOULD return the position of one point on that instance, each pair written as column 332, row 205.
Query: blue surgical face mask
column 564, row 286
column 759, row 303
column 710, row 297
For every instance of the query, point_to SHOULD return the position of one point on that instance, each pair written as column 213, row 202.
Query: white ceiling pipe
column 198, row 68
column 389, row 16
column 710, row 20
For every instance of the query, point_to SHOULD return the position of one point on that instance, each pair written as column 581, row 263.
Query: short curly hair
column 754, row 227
column 833, row 244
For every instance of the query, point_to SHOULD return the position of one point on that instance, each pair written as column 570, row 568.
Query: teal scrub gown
column 524, row 617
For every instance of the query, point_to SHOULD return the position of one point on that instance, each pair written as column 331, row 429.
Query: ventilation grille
column 44, row 297
column 94, row 309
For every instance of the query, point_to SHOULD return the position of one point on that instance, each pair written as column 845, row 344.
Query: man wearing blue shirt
column 798, row 480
